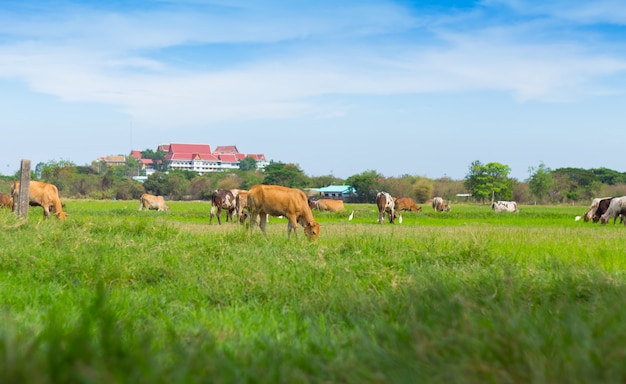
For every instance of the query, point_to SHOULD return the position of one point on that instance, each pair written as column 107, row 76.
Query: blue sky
column 338, row 87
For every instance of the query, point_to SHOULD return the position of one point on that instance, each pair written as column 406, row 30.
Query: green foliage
column 574, row 184
column 249, row 163
column 540, row 182
column 609, row 176
column 366, row 185
column 159, row 162
column 287, row 175
column 489, row 180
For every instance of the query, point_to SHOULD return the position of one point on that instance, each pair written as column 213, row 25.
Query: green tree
column 156, row 183
column 540, row 181
column 287, row 175
column 159, row 162
column 609, row 176
column 491, row 179
column 575, row 184
column 248, row 164
column 366, row 185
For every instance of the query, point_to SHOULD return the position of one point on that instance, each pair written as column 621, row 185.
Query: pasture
column 469, row 296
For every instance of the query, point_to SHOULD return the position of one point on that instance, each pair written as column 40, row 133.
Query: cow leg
column 292, row 225
column 219, row 213
column 46, row 211
column 212, row 214
column 262, row 222
column 381, row 217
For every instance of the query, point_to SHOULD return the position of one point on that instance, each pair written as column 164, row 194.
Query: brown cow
column 241, row 204
column 223, row 199
column 42, row 195
column 5, row 200
column 148, row 201
column 275, row 200
column 407, row 204
column 385, row 204
column 330, row 205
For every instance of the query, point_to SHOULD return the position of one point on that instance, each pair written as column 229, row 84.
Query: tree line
column 482, row 181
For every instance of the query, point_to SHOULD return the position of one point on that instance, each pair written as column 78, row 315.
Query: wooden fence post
column 22, row 206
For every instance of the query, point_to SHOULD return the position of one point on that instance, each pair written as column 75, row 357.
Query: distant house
column 192, row 157
column 339, row 192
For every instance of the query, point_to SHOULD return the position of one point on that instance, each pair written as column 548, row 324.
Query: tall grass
column 117, row 295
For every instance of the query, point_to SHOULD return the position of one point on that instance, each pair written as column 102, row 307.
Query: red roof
column 257, row 156
column 163, row 147
column 224, row 149
column 190, row 152
column 230, row 158
column 136, row 153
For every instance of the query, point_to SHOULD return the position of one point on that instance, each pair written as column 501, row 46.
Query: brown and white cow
column 42, row 195
column 600, row 209
column 591, row 213
column 223, row 199
column 5, row 201
column 407, row 204
column 504, row 206
column 617, row 207
column 148, row 201
column 439, row 205
column 385, row 204
column 330, row 205
column 275, row 200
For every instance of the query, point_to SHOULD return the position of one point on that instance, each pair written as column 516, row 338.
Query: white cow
column 439, row 205
column 616, row 208
column 504, row 206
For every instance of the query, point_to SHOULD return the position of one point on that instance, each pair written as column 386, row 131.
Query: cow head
column 312, row 230
column 61, row 215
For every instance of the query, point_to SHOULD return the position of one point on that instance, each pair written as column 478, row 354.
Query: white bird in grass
column 351, row 216
column 400, row 219
column 577, row 218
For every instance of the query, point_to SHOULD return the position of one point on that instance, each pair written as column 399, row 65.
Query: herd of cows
column 262, row 201
column 603, row 209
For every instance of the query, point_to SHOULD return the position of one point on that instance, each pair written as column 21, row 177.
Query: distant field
column 468, row 296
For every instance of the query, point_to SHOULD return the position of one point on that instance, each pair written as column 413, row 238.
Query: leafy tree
column 288, row 175
column 575, row 184
column 156, row 183
column 159, row 162
column 609, row 176
column 248, row 164
column 540, row 182
column 366, row 185
column 489, row 180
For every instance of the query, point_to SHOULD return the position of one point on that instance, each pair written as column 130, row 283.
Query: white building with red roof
column 199, row 157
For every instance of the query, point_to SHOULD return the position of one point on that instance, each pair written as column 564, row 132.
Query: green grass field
column 114, row 295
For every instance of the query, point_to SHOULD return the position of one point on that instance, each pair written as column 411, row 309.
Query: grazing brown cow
column 439, row 205
column 5, row 200
column 241, row 204
column 148, row 201
column 330, row 205
column 42, row 195
column 407, row 204
column 385, row 204
column 223, row 199
column 275, row 200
